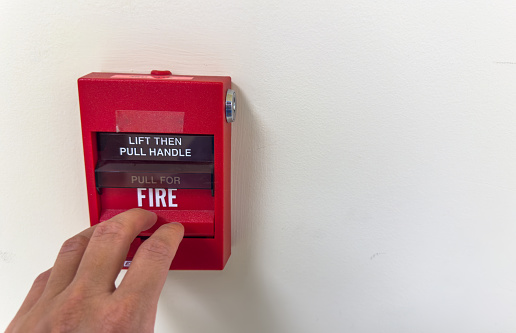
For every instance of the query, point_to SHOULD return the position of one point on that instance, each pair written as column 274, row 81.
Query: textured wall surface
column 374, row 183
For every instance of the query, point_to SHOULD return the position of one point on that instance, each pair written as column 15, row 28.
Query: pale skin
column 78, row 293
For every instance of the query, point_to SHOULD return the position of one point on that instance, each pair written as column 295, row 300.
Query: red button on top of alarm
column 160, row 72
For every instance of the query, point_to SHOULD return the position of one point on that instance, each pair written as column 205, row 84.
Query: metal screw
column 230, row 106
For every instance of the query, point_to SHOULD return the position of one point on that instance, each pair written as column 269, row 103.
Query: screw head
column 230, row 106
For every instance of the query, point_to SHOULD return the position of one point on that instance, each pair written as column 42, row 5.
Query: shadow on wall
column 237, row 298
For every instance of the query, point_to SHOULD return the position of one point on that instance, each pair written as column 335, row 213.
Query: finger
column 108, row 246
column 149, row 268
column 38, row 286
column 67, row 262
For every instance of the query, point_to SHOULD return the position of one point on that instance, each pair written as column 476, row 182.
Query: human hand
column 78, row 293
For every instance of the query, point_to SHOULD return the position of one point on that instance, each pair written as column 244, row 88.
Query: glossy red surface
column 126, row 103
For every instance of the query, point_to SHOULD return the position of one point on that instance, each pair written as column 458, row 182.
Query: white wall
column 374, row 183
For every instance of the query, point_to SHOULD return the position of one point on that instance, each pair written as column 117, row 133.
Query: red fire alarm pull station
column 162, row 142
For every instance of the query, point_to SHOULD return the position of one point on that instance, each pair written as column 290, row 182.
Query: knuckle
column 118, row 317
column 75, row 244
column 113, row 230
column 157, row 248
column 68, row 314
